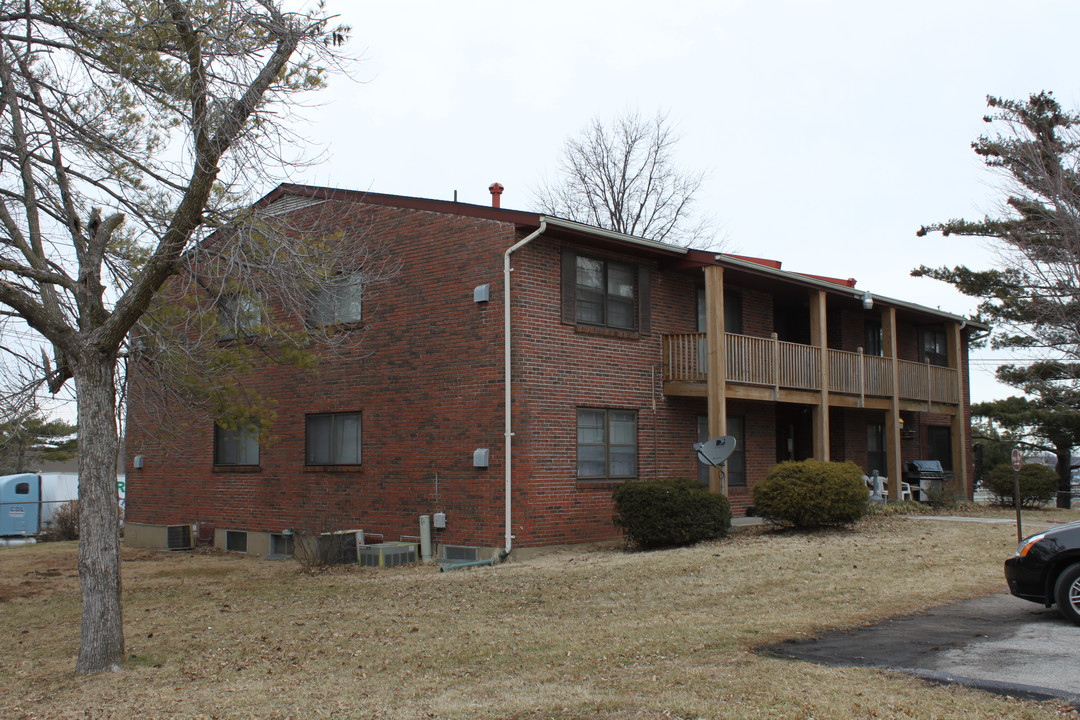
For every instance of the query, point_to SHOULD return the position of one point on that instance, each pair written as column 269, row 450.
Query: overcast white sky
column 831, row 129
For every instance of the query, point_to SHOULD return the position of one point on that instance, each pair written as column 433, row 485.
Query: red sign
column 1017, row 459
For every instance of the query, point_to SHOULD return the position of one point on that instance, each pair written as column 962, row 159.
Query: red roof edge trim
column 775, row 264
column 849, row 282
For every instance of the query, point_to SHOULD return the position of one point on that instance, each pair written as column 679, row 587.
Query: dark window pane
column 333, row 439
column 934, row 348
column 733, row 314
column 318, row 439
column 590, row 307
column 591, row 461
column 939, row 439
column 590, row 273
column 621, row 313
column 236, row 447
column 606, row 293
column 874, row 343
column 607, row 443
column 875, row 450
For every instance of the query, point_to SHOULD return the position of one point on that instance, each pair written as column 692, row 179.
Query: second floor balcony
column 772, row 364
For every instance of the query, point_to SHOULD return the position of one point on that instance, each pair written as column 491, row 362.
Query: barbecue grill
column 926, row 475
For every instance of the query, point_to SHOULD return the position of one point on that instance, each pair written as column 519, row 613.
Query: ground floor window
column 606, row 444
column 333, row 439
column 239, row 446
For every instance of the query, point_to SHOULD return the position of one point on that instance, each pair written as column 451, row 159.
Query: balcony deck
column 767, row 368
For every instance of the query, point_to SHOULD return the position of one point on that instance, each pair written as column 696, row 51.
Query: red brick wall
column 561, row 367
column 428, row 382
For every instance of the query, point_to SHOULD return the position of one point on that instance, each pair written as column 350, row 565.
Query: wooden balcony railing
column 773, row 363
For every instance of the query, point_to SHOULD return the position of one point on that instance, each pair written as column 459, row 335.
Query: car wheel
column 1067, row 593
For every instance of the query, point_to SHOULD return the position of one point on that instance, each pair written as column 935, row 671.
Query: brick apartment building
column 622, row 353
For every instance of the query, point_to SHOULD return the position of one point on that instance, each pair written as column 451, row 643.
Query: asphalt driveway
column 997, row 643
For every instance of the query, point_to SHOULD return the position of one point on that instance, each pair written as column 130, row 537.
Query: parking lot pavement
column 997, row 643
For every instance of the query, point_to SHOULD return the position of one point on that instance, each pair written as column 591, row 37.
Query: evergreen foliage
column 1039, row 426
column 670, row 512
column 810, row 494
column 28, row 439
column 1032, row 299
column 1038, row 484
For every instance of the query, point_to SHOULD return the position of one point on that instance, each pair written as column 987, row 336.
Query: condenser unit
column 387, row 554
column 340, row 547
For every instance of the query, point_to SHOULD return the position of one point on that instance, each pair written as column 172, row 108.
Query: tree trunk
column 101, row 645
column 1064, row 471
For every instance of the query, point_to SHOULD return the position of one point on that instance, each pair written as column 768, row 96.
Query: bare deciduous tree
column 624, row 177
column 130, row 130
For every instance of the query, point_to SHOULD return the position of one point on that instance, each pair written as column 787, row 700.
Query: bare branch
column 624, row 178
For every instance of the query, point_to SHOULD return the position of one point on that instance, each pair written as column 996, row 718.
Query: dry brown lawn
column 605, row 635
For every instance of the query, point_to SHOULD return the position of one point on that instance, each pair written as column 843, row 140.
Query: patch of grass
column 604, row 635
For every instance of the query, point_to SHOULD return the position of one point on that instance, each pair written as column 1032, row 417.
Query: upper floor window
column 606, row 444
column 604, row 293
column 874, row 338
column 333, row 439
column 239, row 446
column 933, row 349
column 733, row 312
column 240, row 315
column 340, row 302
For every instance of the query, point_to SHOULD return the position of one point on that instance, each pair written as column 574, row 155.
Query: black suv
column 1046, row 569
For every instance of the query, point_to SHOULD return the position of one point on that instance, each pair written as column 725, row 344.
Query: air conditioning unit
column 387, row 554
column 339, row 547
column 179, row 537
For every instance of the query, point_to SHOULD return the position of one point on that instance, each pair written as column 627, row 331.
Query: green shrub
column 811, row 493
column 1038, row 484
column 671, row 512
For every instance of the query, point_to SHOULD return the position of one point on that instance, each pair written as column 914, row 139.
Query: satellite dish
column 716, row 451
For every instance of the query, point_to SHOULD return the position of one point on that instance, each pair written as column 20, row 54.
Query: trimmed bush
column 670, row 512
column 810, row 494
column 1038, row 484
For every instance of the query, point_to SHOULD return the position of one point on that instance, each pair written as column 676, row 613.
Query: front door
column 794, row 433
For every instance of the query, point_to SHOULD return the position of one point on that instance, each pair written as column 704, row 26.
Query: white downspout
column 508, row 424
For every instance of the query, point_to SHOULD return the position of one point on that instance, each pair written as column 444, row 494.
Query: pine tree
column 1032, row 299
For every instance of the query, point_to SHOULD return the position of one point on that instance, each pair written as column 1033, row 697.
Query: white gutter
column 508, row 423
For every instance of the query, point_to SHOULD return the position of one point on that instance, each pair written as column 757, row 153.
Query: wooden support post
column 819, row 338
column 717, row 364
column 959, row 421
column 895, row 463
